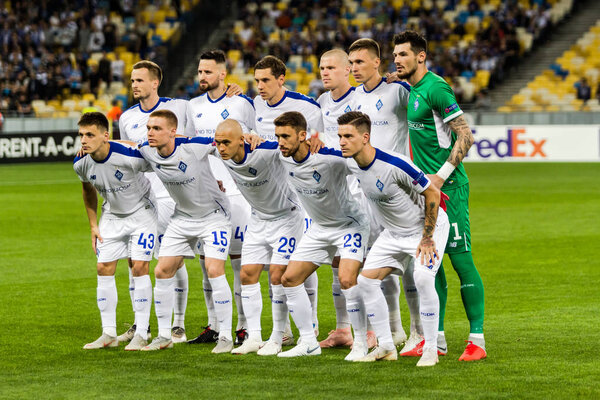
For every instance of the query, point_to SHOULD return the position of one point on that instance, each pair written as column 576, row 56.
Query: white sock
column 311, row 285
column 299, row 306
column 412, row 299
column 236, row 266
column 164, row 297
column 279, row 310
column 357, row 313
column 477, row 339
column 391, row 290
column 252, row 303
column 131, row 289
column 181, row 296
column 223, row 310
column 377, row 310
column 143, row 304
column 208, row 298
column 429, row 304
column 342, row 320
column 107, row 304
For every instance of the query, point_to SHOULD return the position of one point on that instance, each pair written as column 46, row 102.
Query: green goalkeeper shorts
column 457, row 208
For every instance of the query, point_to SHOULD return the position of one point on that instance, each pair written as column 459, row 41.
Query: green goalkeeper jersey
column 430, row 106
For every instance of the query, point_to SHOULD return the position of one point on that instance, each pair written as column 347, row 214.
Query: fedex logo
column 516, row 144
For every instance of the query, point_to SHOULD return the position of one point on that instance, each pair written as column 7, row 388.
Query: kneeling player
column 408, row 207
column 127, row 226
column 201, row 214
column 338, row 224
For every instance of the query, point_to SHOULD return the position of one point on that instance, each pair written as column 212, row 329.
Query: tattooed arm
column 464, row 141
column 426, row 248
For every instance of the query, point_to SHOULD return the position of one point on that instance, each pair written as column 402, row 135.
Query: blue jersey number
column 223, row 241
column 289, row 243
column 146, row 242
column 357, row 240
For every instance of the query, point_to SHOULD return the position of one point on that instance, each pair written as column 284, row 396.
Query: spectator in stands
column 117, row 67
column 96, row 41
column 584, row 91
column 115, row 112
column 104, row 69
column 251, row 91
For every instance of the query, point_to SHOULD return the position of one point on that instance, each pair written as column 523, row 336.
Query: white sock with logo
column 236, row 266
column 106, row 298
column 131, row 289
column 279, row 310
column 208, row 299
column 252, row 303
column 429, row 304
column 299, row 307
column 412, row 299
column 223, row 308
column 311, row 285
column 391, row 290
column 181, row 296
column 164, row 297
column 357, row 314
column 342, row 320
column 143, row 304
column 377, row 310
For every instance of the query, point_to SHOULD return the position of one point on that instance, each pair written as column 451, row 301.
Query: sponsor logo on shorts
column 182, row 166
column 225, row 114
column 199, row 115
column 221, row 250
column 379, row 185
column 379, row 104
column 353, row 251
column 147, row 253
column 119, row 175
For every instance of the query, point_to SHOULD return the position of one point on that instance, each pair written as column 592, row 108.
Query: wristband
column 446, row 170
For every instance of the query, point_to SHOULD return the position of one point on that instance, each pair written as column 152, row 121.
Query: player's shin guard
column 429, row 304
column 143, row 303
column 236, row 266
column 441, row 287
column 252, row 304
column 107, row 304
column 280, row 313
column 208, row 298
column 377, row 310
column 471, row 289
column 164, row 297
column 299, row 306
column 223, row 308
column 412, row 299
column 131, row 289
column 181, row 296
column 391, row 290
column 342, row 320
column 357, row 314
column 311, row 285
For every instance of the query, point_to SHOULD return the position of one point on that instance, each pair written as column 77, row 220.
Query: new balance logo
column 199, row 115
column 135, row 126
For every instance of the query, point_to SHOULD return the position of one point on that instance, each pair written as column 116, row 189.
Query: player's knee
column 140, row 268
column 105, row 269
column 366, row 283
column 347, row 281
column 424, row 279
column 288, row 280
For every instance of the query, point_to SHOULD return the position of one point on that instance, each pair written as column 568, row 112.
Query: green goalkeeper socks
column 441, row 287
column 471, row 289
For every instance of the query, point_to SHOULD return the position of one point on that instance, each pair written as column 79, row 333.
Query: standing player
column 339, row 225
column 408, row 206
column 386, row 106
column 273, row 231
column 127, row 227
column 440, row 138
column 206, row 112
column 201, row 216
column 272, row 101
column 146, row 77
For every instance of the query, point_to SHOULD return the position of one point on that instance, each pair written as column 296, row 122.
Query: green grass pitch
column 535, row 242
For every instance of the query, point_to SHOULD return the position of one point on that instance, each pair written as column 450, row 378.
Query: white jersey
column 261, row 179
column 393, row 186
column 206, row 114
column 118, row 178
column 291, row 101
column 133, row 127
column 386, row 106
column 331, row 110
column 320, row 181
column 186, row 175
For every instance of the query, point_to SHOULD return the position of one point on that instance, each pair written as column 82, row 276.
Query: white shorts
column 128, row 237
column 165, row 207
column 396, row 250
column 184, row 236
column 272, row 241
column 320, row 244
column 240, row 217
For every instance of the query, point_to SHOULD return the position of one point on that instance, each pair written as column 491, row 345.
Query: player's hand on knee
column 427, row 251
column 95, row 237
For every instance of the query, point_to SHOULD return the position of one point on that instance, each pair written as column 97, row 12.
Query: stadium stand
column 60, row 57
column 473, row 43
column 570, row 84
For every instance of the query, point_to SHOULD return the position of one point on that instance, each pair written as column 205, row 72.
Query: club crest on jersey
column 199, row 115
column 317, row 176
column 252, row 171
column 225, row 114
column 119, row 175
column 416, row 105
column 379, row 185
column 347, row 109
column 291, row 173
column 379, row 104
column 182, row 166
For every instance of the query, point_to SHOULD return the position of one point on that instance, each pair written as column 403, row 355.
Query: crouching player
column 201, row 217
column 127, row 227
column 408, row 207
